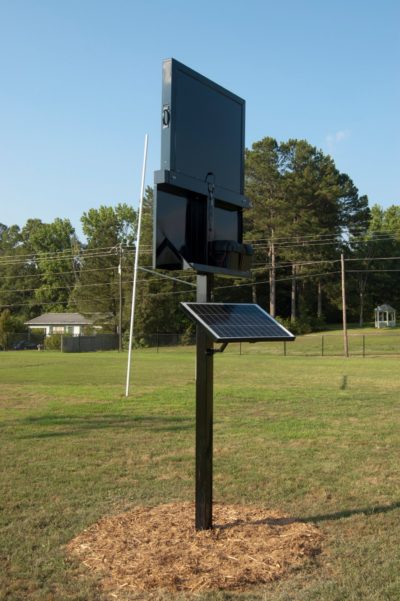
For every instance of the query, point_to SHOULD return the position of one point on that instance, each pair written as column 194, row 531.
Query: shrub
column 189, row 335
column 296, row 327
column 53, row 342
column 318, row 324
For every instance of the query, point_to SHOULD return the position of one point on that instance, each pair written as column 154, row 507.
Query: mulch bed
column 157, row 548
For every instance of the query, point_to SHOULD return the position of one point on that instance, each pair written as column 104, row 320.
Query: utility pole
column 120, row 298
column 272, row 278
column 293, row 314
column 345, row 336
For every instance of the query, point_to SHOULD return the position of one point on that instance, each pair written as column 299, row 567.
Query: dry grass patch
column 158, row 548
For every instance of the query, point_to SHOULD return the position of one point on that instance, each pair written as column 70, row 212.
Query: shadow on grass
column 348, row 513
column 338, row 515
column 76, row 425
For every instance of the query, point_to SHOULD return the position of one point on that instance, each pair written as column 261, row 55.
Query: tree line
column 305, row 213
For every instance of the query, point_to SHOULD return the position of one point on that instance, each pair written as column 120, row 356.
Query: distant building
column 60, row 323
column 385, row 316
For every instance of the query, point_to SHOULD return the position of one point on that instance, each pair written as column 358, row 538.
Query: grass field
column 317, row 438
column 367, row 342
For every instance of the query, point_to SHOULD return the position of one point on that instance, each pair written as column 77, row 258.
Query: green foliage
column 303, row 325
column 15, row 272
column 52, row 248
column 53, row 342
column 296, row 326
column 189, row 335
column 299, row 199
column 108, row 226
column 110, row 233
column 6, row 327
column 371, row 280
column 318, row 324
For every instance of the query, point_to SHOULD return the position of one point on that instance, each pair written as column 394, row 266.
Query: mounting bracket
column 211, row 351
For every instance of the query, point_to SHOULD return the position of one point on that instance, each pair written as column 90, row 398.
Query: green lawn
column 315, row 437
column 368, row 342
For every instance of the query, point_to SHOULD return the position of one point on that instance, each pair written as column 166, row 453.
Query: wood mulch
column 158, row 548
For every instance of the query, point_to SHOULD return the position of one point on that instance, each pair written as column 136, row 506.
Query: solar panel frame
column 258, row 325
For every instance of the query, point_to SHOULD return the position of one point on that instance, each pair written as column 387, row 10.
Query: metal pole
column 345, row 336
column 204, row 414
column 128, row 371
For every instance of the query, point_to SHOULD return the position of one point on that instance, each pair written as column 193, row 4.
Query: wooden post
column 319, row 299
column 293, row 313
column 345, row 336
column 204, row 413
column 322, row 345
column 120, row 299
column 272, row 279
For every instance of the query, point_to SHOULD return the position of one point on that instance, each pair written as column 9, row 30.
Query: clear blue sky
column 80, row 85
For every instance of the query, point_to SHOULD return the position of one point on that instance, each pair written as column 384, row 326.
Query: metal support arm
column 211, row 351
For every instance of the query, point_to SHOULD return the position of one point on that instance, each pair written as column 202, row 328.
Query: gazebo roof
column 385, row 307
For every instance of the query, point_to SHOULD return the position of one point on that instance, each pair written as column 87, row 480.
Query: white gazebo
column 385, row 317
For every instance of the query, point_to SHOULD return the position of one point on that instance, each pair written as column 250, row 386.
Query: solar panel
column 236, row 322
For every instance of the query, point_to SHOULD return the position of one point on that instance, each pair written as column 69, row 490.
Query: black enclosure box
column 183, row 239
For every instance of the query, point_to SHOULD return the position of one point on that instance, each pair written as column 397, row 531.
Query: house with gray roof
column 60, row 323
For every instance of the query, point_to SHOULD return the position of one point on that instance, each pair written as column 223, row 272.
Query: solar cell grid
column 233, row 322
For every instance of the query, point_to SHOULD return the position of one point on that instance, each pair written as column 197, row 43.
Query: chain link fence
column 87, row 344
column 23, row 340
column 67, row 344
column 312, row 345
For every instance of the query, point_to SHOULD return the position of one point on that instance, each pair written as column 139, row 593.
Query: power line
column 50, row 287
column 167, row 277
column 166, row 293
column 76, row 252
column 160, row 275
column 285, row 265
column 343, row 233
column 80, row 258
column 317, row 243
column 297, row 277
column 54, row 274
column 285, row 243
column 287, row 279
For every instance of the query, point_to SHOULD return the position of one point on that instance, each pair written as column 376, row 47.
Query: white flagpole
column 135, row 270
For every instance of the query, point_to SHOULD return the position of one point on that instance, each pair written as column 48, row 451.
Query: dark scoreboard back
column 199, row 191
